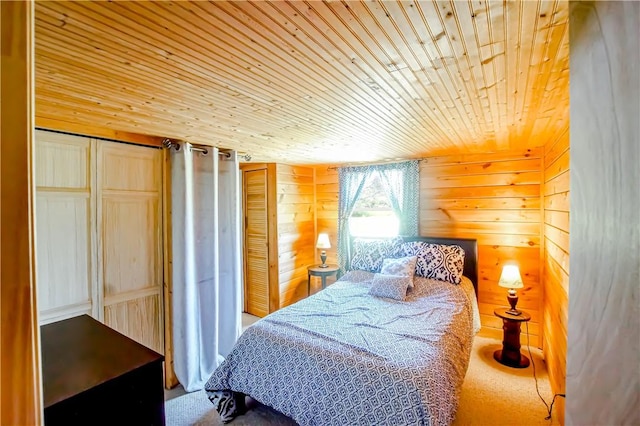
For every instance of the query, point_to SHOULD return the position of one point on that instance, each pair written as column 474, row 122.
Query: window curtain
column 401, row 182
column 207, row 290
column 351, row 180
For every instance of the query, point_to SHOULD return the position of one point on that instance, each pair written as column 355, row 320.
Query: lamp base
column 323, row 257
column 512, row 297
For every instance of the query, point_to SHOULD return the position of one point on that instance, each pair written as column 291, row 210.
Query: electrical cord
column 533, row 364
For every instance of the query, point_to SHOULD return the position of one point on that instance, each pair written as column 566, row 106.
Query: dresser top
column 80, row 353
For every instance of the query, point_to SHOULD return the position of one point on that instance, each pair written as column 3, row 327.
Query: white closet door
column 65, row 233
column 130, row 240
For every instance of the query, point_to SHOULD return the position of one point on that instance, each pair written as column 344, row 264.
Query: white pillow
column 401, row 266
column 390, row 286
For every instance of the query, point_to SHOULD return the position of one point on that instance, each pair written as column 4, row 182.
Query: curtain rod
column 168, row 144
column 377, row 163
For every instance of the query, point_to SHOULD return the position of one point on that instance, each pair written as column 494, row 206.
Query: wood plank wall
column 296, row 229
column 556, row 263
column 492, row 197
column 327, row 208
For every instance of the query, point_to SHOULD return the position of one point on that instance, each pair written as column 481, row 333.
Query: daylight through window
column 372, row 215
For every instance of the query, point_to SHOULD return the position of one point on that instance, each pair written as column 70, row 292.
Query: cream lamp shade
column 510, row 277
column 323, row 241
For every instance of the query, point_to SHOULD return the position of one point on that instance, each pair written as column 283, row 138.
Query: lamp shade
column 510, row 277
column 323, row 241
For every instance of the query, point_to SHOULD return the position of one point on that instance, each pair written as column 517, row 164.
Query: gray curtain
column 351, row 180
column 401, row 183
column 207, row 272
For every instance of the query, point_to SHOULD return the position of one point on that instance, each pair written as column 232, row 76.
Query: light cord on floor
column 533, row 364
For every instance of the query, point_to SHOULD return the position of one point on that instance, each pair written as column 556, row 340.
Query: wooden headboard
column 469, row 245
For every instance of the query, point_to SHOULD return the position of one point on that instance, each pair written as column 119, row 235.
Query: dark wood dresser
column 92, row 374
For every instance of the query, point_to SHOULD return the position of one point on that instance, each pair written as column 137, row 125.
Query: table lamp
column 510, row 278
column 323, row 243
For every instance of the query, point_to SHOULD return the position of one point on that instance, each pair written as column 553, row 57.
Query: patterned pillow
column 390, row 286
column 402, row 266
column 439, row 261
column 368, row 254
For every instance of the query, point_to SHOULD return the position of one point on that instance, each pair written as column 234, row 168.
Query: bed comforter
column 344, row 357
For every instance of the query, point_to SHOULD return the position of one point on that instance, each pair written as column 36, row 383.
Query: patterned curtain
column 402, row 184
column 351, row 180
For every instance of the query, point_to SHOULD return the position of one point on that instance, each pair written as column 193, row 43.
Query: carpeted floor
column 492, row 394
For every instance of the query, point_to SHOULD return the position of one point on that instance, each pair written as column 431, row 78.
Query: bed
column 362, row 352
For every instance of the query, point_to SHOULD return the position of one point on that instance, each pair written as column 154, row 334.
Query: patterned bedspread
column 344, row 357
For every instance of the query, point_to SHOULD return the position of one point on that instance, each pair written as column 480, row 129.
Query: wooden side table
column 323, row 273
column 510, row 354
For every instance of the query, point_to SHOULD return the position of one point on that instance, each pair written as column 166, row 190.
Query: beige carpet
column 492, row 395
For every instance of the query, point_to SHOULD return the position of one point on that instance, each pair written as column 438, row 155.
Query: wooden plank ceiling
column 306, row 82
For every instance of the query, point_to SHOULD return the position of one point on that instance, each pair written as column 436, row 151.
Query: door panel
column 130, row 168
column 66, row 243
column 138, row 316
column 130, row 226
column 64, row 251
column 256, row 243
column 62, row 161
column 99, row 234
column 130, row 243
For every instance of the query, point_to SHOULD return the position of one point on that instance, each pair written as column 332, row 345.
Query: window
column 376, row 201
column 373, row 215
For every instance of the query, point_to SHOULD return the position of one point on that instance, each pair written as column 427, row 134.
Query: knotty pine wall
column 556, row 263
column 327, row 209
column 296, row 229
column 495, row 198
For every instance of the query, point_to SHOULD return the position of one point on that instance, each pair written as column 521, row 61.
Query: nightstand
column 510, row 354
column 323, row 273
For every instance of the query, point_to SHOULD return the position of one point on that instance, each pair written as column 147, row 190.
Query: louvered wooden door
column 130, row 233
column 256, row 243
